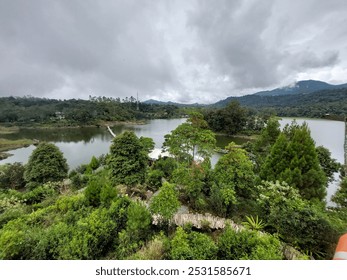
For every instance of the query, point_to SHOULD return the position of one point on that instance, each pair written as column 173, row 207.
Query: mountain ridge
column 300, row 87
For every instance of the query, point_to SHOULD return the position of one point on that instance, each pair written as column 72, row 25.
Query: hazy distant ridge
column 301, row 87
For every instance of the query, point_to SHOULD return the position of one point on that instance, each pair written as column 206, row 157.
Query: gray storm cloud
column 186, row 51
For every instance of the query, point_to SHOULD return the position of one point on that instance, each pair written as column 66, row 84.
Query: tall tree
column 293, row 159
column 191, row 139
column 127, row 160
column 234, row 179
column 45, row 164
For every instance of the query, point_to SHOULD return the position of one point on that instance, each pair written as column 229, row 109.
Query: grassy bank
column 7, row 145
column 8, row 129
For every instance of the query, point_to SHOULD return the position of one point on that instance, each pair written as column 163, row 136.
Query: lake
column 79, row 145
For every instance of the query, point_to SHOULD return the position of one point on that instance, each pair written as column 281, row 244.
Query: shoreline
column 6, row 128
column 9, row 145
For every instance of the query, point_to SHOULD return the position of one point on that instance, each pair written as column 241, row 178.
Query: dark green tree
column 45, row 164
column 94, row 163
column 128, row 160
column 231, row 119
column 294, row 159
column 193, row 182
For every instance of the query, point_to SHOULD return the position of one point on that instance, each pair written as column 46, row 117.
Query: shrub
column 247, row 244
column 45, row 164
column 154, row 178
column 192, row 246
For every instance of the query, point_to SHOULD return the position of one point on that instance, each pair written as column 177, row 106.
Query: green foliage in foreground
column 302, row 224
column 108, row 212
column 248, row 245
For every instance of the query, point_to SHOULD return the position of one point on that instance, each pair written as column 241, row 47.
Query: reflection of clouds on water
column 81, row 152
column 19, row 155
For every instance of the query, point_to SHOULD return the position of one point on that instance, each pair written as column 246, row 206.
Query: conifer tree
column 293, row 159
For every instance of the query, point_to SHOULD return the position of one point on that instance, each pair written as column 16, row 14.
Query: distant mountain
column 157, row 102
column 301, row 87
column 330, row 103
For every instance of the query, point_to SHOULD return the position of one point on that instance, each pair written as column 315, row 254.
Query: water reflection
column 79, row 145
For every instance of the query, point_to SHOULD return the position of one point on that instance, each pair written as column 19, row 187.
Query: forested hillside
column 317, row 104
column 32, row 110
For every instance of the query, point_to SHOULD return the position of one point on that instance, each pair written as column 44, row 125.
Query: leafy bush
column 247, row 244
column 166, row 202
column 192, row 246
column 167, row 165
column 46, row 163
column 299, row 222
column 78, row 180
column 40, row 193
column 154, row 178
column 12, row 176
column 155, row 249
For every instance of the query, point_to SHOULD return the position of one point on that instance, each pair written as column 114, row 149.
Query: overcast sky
column 183, row 51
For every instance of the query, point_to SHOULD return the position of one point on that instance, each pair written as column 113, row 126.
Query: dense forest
column 32, row 111
column 267, row 198
column 319, row 104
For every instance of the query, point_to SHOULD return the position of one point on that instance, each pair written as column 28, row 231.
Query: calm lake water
column 79, row 145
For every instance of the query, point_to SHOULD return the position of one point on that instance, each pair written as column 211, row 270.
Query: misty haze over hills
column 300, row 87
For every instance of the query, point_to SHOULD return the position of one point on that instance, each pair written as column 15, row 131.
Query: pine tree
column 293, row 159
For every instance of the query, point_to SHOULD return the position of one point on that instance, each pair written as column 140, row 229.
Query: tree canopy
column 45, row 164
column 191, row 139
column 128, row 159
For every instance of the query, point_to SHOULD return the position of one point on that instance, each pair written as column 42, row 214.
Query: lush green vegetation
column 319, row 104
column 121, row 206
column 32, row 111
column 234, row 119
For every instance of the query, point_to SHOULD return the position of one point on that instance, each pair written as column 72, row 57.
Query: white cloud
column 186, row 51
